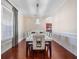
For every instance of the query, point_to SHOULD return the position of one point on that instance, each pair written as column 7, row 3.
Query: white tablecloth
column 30, row 38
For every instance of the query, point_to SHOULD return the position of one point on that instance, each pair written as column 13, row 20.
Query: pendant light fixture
column 37, row 13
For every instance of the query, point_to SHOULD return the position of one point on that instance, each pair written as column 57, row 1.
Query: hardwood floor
column 19, row 52
column 58, row 52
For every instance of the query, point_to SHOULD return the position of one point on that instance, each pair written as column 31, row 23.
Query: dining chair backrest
column 38, row 42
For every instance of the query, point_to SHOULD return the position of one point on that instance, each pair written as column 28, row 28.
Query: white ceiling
column 46, row 7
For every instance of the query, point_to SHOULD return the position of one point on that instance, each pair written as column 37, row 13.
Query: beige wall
column 30, row 25
column 66, row 21
column 66, row 18
column 20, row 27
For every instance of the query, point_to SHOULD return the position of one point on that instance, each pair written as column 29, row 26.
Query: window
column 6, row 23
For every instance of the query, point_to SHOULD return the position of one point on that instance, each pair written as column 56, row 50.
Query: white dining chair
column 38, row 42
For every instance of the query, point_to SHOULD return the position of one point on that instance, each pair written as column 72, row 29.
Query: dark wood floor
column 19, row 52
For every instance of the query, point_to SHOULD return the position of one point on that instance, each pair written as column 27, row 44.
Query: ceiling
column 29, row 8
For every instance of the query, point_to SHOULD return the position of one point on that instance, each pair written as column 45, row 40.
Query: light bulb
column 37, row 21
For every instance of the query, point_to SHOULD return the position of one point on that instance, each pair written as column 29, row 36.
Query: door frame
column 15, row 27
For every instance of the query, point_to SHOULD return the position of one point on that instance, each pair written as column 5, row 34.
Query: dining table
column 29, row 43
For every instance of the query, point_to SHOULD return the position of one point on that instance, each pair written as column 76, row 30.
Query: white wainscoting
column 20, row 37
column 5, row 45
column 67, row 40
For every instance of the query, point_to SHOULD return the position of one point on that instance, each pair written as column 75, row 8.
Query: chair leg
column 27, row 51
column 50, row 50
